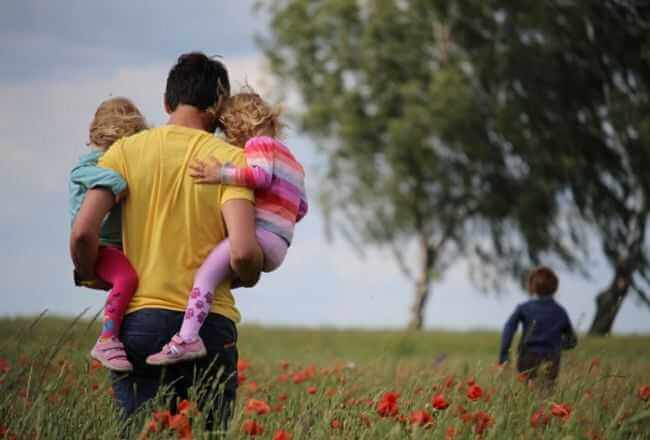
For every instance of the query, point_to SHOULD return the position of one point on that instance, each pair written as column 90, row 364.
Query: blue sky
column 61, row 59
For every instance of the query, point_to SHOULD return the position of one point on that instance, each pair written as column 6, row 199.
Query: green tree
column 569, row 86
column 412, row 160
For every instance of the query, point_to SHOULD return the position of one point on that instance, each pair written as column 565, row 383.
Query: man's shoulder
column 222, row 150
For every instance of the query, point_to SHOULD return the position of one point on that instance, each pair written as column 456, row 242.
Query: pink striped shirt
column 279, row 183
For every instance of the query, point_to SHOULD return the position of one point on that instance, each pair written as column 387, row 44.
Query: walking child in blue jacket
column 547, row 329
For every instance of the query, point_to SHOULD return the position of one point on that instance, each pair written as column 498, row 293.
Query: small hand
column 206, row 172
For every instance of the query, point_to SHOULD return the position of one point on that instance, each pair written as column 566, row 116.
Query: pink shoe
column 111, row 354
column 177, row 350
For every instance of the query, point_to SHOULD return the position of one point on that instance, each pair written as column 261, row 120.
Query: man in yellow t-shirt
column 170, row 224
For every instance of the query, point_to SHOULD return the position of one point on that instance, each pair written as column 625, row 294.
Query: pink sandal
column 178, row 350
column 111, row 354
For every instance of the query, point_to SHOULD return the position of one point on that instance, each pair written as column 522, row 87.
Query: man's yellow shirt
column 169, row 223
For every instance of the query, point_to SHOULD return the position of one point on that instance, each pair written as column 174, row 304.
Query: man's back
column 170, row 223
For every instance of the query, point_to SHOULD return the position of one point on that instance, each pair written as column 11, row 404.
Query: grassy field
column 352, row 384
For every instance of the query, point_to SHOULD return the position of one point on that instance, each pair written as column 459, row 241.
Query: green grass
column 50, row 391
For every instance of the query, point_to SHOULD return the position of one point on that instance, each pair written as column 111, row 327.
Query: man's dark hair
column 196, row 80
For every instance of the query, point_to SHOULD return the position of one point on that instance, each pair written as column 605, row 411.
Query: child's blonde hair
column 114, row 119
column 246, row 115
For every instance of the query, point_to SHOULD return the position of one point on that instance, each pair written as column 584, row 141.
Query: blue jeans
column 146, row 331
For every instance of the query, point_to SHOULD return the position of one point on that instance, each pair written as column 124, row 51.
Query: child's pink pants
column 114, row 268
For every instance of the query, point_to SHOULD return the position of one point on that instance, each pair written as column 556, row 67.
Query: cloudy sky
column 61, row 59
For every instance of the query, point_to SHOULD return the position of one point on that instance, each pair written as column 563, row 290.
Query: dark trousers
column 545, row 366
column 145, row 332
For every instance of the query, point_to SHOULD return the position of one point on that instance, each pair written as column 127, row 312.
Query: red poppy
column 644, row 392
column 561, row 410
column 312, row 390
column 450, row 433
column 252, row 386
column 282, row 397
column 186, row 407
column 482, row 421
column 259, row 407
column 303, row 375
column 282, row 435
column 252, row 428
column 181, row 424
column 284, row 365
column 439, row 402
column 474, row 392
column 336, row 424
column 242, row 365
column 449, row 382
column 387, row 406
column 471, row 381
column 282, row 377
column 421, row 418
column 241, row 378
column 277, row 407
column 539, row 419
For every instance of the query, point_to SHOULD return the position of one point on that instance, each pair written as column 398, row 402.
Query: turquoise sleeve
column 96, row 177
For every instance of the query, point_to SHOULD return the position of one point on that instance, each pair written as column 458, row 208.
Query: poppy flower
column 387, row 406
column 644, row 392
column 251, row 386
column 482, row 421
column 242, row 365
column 282, row 397
column 561, row 410
column 241, row 378
column 282, row 435
column 312, row 390
column 474, row 392
column 450, row 433
column 259, row 407
column 181, row 424
column 252, row 428
column 186, row 407
column 421, row 418
column 282, row 378
column 439, row 402
column 336, row 424
column 539, row 419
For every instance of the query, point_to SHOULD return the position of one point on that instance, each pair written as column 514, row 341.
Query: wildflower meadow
column 327, row 383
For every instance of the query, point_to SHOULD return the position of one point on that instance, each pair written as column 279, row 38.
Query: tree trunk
column 608, row 302
column 422, row 284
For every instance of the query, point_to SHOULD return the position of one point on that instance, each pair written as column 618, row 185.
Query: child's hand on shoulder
column 206, row 172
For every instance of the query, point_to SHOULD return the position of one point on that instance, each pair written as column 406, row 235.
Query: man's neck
column 188, row 116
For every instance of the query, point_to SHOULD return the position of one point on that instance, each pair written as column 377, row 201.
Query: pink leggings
column 216, row 269
column 114, row 268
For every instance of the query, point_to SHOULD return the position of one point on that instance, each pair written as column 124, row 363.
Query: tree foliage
column 414, row 156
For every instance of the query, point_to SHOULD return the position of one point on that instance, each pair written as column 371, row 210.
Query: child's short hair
column 246, row 115
column 114, row 119
column 542, row 281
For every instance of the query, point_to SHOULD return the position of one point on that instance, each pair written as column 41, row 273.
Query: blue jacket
column 87, row 175
column 547, row 328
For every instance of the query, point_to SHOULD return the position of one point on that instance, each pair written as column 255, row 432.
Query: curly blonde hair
column 246, row 115
column 114, row 119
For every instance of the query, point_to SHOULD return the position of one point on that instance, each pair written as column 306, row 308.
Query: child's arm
column 258, row 174
column 96, row 177
column 509, row 331
column 569, row 338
